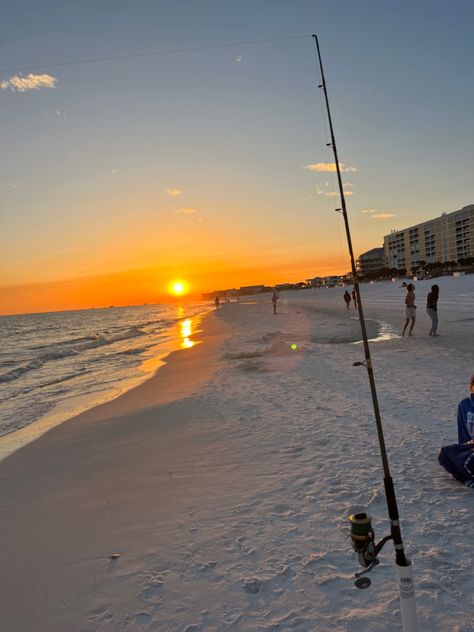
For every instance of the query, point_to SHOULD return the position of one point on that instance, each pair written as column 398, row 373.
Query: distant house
column 333, row 281
column 253, row 289
column 315, row 281
column 371, row 261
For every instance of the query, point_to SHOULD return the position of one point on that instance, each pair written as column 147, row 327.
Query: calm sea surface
column 55, row 365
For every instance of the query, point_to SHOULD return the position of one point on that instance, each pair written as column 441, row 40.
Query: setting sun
column 178, row 287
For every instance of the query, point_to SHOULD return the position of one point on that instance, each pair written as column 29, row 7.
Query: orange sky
column 134, row 287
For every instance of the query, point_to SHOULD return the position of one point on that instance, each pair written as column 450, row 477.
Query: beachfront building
column 371, row 261
column 449, row 237
column 315, row 281
column 253, row 289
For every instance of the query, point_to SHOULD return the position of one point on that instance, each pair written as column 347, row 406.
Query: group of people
column 348, row 299
column 410, row 307
column 431, row 309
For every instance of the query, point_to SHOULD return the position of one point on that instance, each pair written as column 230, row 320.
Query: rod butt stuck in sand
column 407, row 597
column 361, row 533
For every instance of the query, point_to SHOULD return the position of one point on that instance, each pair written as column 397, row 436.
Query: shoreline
column 80, row 404
column 56, row 492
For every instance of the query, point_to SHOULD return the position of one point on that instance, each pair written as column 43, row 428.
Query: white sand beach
column 221, row 482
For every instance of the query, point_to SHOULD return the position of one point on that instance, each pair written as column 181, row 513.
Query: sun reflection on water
column 186, row 330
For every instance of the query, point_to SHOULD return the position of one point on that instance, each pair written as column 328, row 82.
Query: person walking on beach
column 216, row 300
column 354, row 298
column 410, row 309
column 275, row 298
column 347, row 299
column 432, row 309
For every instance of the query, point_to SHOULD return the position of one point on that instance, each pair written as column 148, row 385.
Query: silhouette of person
column 354, row 298
column 432, row 309
column 347, row 299
column 410, row 309
column 275, row 298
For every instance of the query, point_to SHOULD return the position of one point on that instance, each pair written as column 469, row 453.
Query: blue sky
column 85, row 165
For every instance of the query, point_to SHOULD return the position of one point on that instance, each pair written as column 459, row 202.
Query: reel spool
column 363, row 542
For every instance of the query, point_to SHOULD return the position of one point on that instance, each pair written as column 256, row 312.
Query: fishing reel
column 363, row 542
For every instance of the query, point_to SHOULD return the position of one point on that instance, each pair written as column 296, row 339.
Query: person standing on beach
column 216, row 300
column 275, row 298
column 432, row 309
column 347, row 299
column 410, row 309
column 354, row 298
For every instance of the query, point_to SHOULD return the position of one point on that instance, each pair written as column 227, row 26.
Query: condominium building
column 371, row 261
column 446, row 238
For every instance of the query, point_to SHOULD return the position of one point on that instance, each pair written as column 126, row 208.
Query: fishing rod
column 361, row 532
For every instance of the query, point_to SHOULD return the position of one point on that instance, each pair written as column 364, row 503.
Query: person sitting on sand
column 410, row 309
column 347, row 299
column 275, row 298
column 458, row 458
column 466, row 417
column 432, row 309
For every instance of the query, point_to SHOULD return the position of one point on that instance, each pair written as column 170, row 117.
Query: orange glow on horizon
column 151, row 285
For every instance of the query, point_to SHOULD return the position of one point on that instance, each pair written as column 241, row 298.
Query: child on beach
column 410, row 309
column 347, row 299
column 275, row 298
column 458, row 459
column 432, row 309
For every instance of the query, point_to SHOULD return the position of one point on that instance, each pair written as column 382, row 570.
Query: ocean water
column 56, row 365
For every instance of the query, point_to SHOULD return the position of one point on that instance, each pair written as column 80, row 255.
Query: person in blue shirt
column 458, row 459
column 466, row 417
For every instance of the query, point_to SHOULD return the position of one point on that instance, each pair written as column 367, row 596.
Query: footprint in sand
column 252, row 586
column 100, row 616
column 152, row 591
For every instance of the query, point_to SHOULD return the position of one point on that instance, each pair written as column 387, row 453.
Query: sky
column 210, row 164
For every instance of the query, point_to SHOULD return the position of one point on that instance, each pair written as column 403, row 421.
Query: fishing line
column 331, row 176
column 154, row 53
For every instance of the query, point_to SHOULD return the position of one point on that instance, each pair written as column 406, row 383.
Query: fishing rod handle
column 407, row 598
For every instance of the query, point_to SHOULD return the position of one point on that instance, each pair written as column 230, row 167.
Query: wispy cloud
column 18, row 83
column 375, row 214
column 184, row 211
column 173, row 192
column 331, row 194
column 328, row 166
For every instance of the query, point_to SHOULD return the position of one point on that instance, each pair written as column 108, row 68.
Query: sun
column 178, row 287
